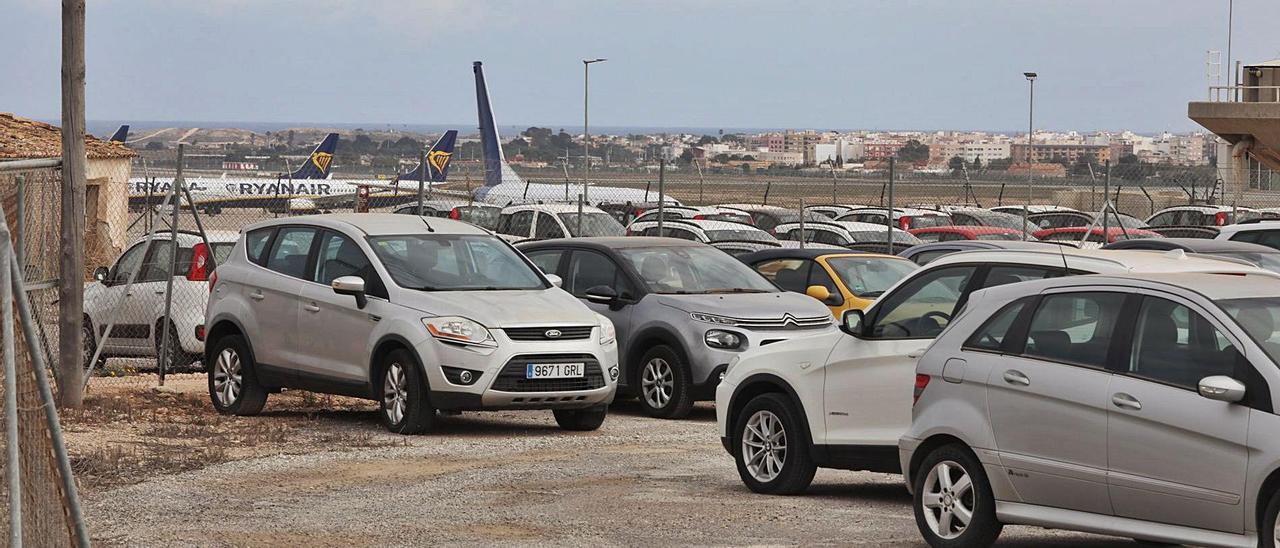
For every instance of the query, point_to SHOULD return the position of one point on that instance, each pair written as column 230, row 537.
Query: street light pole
column 586, row 133
column 1031, row 109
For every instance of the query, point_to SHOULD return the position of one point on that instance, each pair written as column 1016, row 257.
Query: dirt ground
column 161, row 468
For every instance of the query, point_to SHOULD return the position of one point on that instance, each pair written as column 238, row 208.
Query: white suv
column 420, row 314
column 842, row 400
column 136, row 313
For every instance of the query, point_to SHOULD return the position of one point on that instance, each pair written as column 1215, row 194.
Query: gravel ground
column 489, row 478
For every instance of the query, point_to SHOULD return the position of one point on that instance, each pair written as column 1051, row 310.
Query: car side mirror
column 851, row 322
column 101, row 273
column 351, row 285
column 1222, row 388
column 555, row 280
column 824, row 295
column 601, row 294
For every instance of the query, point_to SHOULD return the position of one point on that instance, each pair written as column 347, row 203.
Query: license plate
column 554, row 370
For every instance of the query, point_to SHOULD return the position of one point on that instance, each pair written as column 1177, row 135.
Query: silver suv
column 684, row 311
column 1138, row 407
column 420, row 314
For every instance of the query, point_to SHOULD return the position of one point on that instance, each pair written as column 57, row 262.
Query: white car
column 1200, row 215
column 700, row 213
column 844, row 233
column 842, row 400
column 520, row 223
column 137, row 314
column 1262, row 232
column 905, row 217
column 707, row 232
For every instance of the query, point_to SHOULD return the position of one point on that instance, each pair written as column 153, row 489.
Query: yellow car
column 841, row 279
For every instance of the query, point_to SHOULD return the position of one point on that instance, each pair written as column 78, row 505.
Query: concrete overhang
column 1235, row 121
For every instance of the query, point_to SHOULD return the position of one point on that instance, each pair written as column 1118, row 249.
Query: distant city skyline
column 737, row 66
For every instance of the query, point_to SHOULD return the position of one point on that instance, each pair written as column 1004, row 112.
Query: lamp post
column 1031, row 109
column 586, row 134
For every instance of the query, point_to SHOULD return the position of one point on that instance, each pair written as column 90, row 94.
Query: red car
column 1077, row 233
column 966, row 232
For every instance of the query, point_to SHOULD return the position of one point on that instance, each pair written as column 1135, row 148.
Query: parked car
column 1200, row 215
column 1136, row 406
column 844, row 233
column 1260, row 255
column 419, row 318
column 683, row 311
column 626, row 212
column 904, row 218
column 547, row 221
column 136, row 313
column 697, row 230
column 953, row 233
column 842, row 400
column 698, row 213
column 1262, row 232
column 1095, row 236
column 839, row 279
column 976, row 216
column 1031, row 209
column 834, row 210
column 481, row 215
column 767, row 217
column 924, row 254
column 739, row 247
column 1061, row 219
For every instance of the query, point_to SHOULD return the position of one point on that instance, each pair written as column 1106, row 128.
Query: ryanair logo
column 439, row 159
column 321, row 160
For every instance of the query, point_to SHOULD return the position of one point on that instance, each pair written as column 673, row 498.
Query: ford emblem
column 552, row 333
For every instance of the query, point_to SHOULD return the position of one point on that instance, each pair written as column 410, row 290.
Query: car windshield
column 729, row 217
column 694, row 269
column 453, row 262
column 594, row 223
column 481, row 216
column 869, row 277
column 927, row 221
column 745, row 234
column 1260, row 318
column 1005, row 220
column 1268, row 261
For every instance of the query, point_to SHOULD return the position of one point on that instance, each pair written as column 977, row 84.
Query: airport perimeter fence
column 141, row 272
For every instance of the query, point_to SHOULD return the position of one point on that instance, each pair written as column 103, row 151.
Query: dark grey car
column 683, row 310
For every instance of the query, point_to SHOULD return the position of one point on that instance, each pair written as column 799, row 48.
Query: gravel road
column 511, row 478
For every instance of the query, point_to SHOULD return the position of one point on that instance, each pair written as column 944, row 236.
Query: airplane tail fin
column 496, row 170
column 317, row 165
column 121, row 134
column 439, row 157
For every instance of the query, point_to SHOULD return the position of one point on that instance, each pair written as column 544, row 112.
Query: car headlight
column 712, row 318
column 607, row 333
column 719, row 338
column 459, row 330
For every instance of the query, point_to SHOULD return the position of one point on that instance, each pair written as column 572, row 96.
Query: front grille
column 511, row 378
column 787, row 321
column 567, row 333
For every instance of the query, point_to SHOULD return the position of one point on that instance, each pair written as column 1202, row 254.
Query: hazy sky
column 1103, row 64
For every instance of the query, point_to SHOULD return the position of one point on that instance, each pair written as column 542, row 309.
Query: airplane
column 309, row 187
column 503, row 186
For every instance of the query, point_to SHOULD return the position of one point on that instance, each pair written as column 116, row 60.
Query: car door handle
column 1125, row 401
column 159, row 292
column 916, row 353
column 257, row 296
column 311, row 307
column 1015, row 377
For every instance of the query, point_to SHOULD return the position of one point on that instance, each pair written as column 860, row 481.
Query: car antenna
column 424, row 221
column 1066, row 271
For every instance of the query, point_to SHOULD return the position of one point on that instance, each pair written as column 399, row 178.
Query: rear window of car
column 255, row 243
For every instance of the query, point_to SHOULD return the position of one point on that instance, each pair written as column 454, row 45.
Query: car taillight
column 213, row 280
column 639, row 212
column 904, row 222
column 699, row 217
column 455, row 214
column 199, row 271
column 1220, row 219
column 921, row 382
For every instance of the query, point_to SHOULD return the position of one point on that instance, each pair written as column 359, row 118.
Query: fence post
column 422, row 177
column 662, row 197
column 1106, row 201
column 21, row 229
column 802, row 222
column 579, row 215
column 163, row 356
column 71, row 255
column 14, row 468
column 889, row 216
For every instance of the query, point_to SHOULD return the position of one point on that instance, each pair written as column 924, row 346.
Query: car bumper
column 708, row 363
column 498, row 374
column 907, row 447
column 724, row 395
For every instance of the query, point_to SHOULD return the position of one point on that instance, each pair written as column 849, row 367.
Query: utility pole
column 71, row 252
column 586, row 130
column 1031, row 110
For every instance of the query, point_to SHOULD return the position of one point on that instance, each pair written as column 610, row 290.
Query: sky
column 821, row 64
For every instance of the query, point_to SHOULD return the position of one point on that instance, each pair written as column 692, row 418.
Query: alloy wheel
column 764, row 446
column 227, row 377
column 658, row 383
column 395, row 395
column 948, row 499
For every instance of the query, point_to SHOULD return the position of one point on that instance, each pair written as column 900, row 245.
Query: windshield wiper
column 734, row 290
column 872, row 294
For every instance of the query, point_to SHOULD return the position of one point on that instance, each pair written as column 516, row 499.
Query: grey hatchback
column 1138, row 407
column 683, row 310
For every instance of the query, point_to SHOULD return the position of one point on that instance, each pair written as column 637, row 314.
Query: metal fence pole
column 21, row 229
column 802, row 222
column 14, row 468
column 662, row 196
column 164, row 357
column 580, row 198
column 889, row 215
column 422, row 177
column 1106, row 201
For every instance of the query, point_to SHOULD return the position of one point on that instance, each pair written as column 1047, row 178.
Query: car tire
column 1268, row 534
column 666, row 386
column 581, row 420
column 951, row 483
column 233, row 380
column 771, row 448
column 90, row 346
column 181, row 359
column 402, row 391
